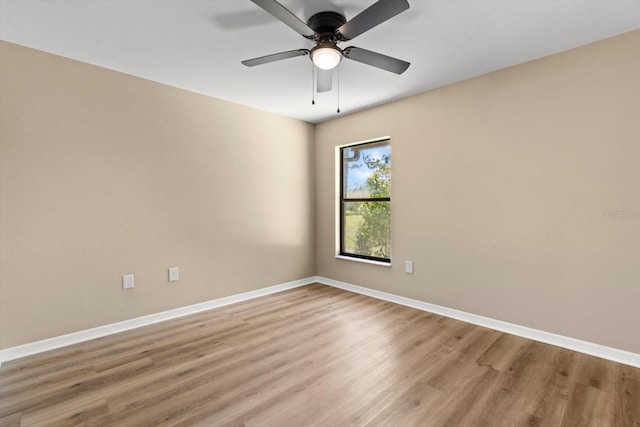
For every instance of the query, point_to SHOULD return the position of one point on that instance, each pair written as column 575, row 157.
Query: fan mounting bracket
column 326, row 24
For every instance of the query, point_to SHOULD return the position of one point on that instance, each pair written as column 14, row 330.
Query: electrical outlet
column 174, row 274
column 127, row 281
column 408, row 267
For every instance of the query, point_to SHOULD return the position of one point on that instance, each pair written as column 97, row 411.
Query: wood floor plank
column 625, row 401
column 471, row 394
column 12, row 420
column 85, row 412
column 316, row 356
column 503, row 351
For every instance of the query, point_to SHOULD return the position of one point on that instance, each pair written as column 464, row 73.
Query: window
column 365, row 201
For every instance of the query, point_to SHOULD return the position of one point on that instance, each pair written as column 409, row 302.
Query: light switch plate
column 174, row 274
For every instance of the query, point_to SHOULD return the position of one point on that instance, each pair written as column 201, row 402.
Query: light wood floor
column 317, row 356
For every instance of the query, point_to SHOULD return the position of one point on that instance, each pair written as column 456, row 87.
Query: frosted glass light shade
column 326, row 58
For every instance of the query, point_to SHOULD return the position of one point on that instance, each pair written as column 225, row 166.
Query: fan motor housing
column 325, row 24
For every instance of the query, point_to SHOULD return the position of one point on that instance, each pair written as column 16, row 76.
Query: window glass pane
column 366, row 170
column 367, row 229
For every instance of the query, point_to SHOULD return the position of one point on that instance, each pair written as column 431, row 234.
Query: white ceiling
column 198, row 44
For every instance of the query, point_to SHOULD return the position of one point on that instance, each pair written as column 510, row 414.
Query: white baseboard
column 613, row 354
column 621, row 356
column 113, row 328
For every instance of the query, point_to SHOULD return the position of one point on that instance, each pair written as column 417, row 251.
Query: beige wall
column 104, row 174
column 502, row 193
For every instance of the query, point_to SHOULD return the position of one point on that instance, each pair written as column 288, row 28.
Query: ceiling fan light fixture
column 326, row 56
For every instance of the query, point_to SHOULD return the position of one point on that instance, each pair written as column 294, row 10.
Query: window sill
column 366, row 261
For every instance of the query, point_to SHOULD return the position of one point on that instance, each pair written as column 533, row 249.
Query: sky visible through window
column 357, row 171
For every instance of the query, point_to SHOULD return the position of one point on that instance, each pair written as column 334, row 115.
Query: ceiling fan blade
column 325, row 80
column 275, row 57
column 377, row 60
column 285, row 15
column 374, row 15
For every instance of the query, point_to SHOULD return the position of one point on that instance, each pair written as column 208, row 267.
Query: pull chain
column 313, row 84
column 338, row 110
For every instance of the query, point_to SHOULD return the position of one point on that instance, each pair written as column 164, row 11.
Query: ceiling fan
column 327, row 29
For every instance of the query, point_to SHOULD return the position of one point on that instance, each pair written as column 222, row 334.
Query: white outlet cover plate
column 127, row 281
column 408, row 267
